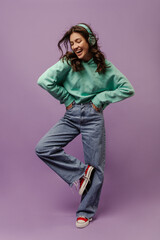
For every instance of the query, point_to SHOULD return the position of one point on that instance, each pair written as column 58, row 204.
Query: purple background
column 34, row 202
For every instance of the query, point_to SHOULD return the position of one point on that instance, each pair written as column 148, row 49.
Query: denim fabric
column 81, row 118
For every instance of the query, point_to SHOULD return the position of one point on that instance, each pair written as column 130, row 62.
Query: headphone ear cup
column 91, row 40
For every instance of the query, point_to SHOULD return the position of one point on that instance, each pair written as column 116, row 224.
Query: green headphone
column 92, row 39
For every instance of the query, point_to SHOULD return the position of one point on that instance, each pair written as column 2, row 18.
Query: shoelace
column 76, row 184
column 74, row 189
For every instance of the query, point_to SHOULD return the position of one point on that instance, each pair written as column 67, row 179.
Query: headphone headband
column 91, row 39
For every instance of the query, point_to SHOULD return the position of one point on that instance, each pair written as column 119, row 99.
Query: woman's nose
column 75, row 46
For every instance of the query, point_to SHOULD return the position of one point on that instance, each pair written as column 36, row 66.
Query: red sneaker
column 82, row 222
column 85, row 179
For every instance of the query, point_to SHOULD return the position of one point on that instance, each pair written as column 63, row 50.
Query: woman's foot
column 85, row 179
column 82, row 222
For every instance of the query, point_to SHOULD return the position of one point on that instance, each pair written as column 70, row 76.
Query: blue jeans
column 81, row 118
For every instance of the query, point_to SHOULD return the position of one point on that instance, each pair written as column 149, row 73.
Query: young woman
column 86, row 82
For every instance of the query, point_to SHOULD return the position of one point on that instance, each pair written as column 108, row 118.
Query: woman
column 86, row 82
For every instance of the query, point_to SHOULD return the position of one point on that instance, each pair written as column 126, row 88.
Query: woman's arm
column 122, row 89
column 51, row 81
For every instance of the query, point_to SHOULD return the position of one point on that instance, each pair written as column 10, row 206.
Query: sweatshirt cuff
column 69, row 100
column 96, row 102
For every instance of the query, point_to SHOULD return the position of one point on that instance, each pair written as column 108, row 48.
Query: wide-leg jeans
column 85, row 120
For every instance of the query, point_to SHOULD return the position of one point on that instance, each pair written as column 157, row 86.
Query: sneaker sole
column 83, row 187
column 83, row 224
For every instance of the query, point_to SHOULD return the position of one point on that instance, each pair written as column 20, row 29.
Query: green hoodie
column 87, row 85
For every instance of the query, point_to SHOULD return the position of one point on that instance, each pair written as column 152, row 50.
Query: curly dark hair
column 71, row 57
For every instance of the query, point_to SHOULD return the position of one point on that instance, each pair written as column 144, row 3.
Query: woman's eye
column 78, row 41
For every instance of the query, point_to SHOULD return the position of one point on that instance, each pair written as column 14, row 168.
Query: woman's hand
column 69, row 106
column 96, row 108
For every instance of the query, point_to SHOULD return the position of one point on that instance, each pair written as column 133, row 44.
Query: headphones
column 91, row 39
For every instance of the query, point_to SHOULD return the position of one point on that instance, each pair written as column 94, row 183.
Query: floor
column 129, row 220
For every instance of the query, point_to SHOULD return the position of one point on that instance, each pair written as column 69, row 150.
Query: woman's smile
column 79, row 52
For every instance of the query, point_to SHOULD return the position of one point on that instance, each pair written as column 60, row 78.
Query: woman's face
column 80, row 46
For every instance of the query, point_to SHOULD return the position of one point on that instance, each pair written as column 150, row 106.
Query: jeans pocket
column 100, row 110
column 73, row 104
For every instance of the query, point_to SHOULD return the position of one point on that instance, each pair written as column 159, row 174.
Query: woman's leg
column 50, row 149
column 93, row 137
